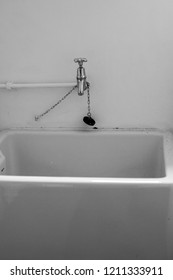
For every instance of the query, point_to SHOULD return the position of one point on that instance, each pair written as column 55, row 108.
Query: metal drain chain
column 56, row 104
column 88, row 100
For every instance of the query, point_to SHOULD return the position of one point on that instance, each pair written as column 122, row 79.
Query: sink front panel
column 85, row 221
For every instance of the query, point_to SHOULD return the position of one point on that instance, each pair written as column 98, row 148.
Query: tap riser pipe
column 10, row 85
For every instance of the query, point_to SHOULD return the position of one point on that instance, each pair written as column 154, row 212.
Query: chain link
column 88, row 100
column 56, row 104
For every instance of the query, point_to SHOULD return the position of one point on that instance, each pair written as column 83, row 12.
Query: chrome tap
column 81, row 76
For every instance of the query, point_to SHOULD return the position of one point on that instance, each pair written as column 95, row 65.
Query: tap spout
column 81, row 76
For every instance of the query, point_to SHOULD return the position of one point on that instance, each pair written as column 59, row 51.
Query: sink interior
column 83, row 154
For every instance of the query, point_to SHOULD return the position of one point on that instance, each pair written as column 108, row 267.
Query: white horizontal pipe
column 11, row 85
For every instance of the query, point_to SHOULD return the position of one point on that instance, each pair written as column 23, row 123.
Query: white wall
column 129, row 47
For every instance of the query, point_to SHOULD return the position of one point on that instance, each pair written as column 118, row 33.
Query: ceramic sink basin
column 96, row 194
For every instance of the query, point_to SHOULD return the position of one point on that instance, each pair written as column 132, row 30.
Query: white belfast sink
column 86, row 194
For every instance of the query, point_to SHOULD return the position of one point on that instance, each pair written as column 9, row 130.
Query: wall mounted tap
column 81, row 76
